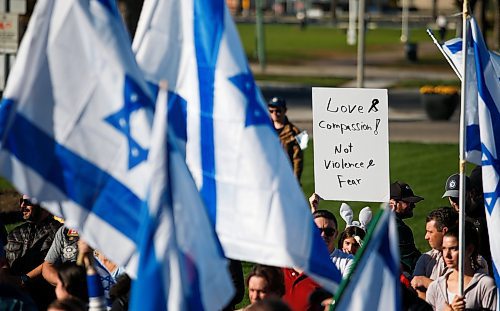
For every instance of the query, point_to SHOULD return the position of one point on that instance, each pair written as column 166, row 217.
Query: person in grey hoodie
column 480, row 292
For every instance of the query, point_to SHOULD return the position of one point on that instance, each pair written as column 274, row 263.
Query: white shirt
column 342, row 261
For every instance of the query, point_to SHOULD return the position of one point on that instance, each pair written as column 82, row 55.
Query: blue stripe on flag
column 490, row 198
column 455, row 47
column 5, row 113
column 177, row 115
column 208, row 29
column 473, row 137
column 319, row 259
column 385, row 252
column 92, row 188
column 177, row 111
column 193, row 297
column 495, row 272
column 392, row 263
column 110, row 6
column 94, row 285
column 482, row 58
column 151, row 270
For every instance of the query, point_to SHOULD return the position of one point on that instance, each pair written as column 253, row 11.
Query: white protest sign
column 351, row 144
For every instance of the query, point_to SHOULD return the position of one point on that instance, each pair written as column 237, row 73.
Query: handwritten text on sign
column 351, row 148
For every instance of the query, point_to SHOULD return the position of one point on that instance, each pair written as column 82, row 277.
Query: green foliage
column 5, row 185
column 316, row 81
column 289, row 44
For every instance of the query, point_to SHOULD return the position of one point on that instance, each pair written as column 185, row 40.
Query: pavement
column 408, row 121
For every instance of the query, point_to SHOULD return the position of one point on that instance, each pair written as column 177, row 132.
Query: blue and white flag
column 75, row 123
column 245, row 179
column 379, row 264
column 452, row 50
column 181, row 263
column 486, row 134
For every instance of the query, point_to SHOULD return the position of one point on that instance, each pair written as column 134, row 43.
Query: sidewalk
column 407, row 118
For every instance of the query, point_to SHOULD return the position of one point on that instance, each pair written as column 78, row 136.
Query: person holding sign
column 403, row 202
column 287, row 133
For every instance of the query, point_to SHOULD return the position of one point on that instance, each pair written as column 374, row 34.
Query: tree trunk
column 434, row 9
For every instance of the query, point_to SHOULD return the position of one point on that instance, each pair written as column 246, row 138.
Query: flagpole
column 436, row 42
column 462, row 163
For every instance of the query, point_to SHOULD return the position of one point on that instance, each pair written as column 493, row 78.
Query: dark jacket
column 287, row 137
column 408, row 251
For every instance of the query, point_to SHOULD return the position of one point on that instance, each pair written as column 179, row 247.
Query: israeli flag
column 75, row 123
column 487, row 135
column 181, row 264
column 378, row 263
column 482, row 119
column 216, row 110
column 452, row 50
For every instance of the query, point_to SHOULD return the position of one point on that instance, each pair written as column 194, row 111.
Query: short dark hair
column 443, row 217
column 325, row 214
column 74, row 280
column 350, row 232
column 273, row 276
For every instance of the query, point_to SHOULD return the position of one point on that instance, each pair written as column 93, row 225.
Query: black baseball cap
column 452, row 186
column 277, row 102
column 401, row 191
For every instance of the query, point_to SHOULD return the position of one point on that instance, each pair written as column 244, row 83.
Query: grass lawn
column 289, row 44
column 316, row 81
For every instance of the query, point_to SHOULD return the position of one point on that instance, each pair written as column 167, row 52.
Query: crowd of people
column 47, row 266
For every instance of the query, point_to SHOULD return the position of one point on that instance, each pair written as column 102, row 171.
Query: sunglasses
column 277, row 111
column 327, row 231
column 26, row 202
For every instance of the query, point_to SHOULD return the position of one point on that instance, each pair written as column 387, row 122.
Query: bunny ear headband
column 365, row 216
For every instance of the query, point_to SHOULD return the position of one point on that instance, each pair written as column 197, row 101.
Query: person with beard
column 298, row 286
column 26, row 247
column 402, row 203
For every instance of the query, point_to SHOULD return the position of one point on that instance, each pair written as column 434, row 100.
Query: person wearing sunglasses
column 26, row 248
column 402, row 203
column 286, row 132
column 298, row 286
column 328, row 228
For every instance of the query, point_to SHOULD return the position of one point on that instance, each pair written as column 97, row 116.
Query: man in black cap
column 286, row 132
column 474, row 206
column 403, row 202
column 451, row 191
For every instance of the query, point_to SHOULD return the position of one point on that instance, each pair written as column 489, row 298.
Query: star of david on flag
column 483, row 129
column 244, row 177
column 75, row 134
